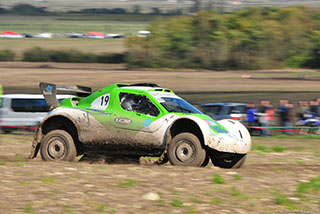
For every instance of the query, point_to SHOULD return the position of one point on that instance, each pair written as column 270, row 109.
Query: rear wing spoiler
column 49, row 92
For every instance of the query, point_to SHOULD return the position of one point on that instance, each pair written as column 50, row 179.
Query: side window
column 215, row 110
column 138, row 103
column 1, row 102
column 238, row 109
column 29, row 105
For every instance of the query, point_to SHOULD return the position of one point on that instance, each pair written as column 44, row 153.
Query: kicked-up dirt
column 281, row 175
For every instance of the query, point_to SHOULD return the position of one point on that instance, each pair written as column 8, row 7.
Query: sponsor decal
column 123, row 120
column 159, row 95
column 85, row 117
column 147, row 123
column 218, row 129
column 49, row 88
column 96, row 111
column 169, row 119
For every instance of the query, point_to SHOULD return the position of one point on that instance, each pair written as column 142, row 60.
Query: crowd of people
column 305, row 113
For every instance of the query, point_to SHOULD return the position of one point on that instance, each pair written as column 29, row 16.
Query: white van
column 23, row 110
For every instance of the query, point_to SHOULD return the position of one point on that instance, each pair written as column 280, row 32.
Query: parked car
column 219, row 111
column 133, row 121
column 24, row 110
column 114, row 36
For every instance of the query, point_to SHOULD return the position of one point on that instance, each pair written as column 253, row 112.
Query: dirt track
column 268, row 183
column 196, row 86
column 26, row 76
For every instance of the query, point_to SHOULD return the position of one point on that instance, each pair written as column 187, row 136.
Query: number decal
column 101, row 102
column 104, row 100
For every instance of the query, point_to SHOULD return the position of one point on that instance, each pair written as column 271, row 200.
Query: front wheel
column 185, row 150
column 229, row 161
column 58, row 145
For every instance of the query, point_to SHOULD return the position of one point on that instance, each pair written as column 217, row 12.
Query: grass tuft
column 20, row 161
column 217, row 179
column 237, row 177
column 190, row 210
column 67, row 210
column 300, row 162
column 196, row 200
column 312, row 186
column 282, row 199
column 216, row 201
column 176, row 202
column 265, row 149
column 48, row 180
column 101, row 208
column 127, row 183
column 29, row 209
column 236, row 193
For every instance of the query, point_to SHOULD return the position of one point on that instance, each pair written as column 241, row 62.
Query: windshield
column 175, row 104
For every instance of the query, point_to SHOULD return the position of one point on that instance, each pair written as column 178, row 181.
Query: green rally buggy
column 136, row 120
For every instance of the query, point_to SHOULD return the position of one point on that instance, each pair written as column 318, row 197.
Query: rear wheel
column 58, row 145
column 185, row 150
column 229, row 161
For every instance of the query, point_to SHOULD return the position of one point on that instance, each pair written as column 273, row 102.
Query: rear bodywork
column 100, row 123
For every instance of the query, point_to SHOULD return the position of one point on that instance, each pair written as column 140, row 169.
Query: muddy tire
column 232, row 161
column 206, row 161
column 185, row 150
column 58, row 145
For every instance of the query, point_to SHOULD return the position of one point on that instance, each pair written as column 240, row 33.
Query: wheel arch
column 52, row 123
column 63, row 123
column 186, row 125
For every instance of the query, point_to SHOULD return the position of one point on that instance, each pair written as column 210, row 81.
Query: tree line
column 251, row 38
column 27, row 9
column 37, row 54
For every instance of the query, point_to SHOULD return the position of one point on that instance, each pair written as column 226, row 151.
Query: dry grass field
column 19, row 46
column 280, row 175
column 108, row 24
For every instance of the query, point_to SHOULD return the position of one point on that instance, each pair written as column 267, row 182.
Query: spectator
column 251, row 116
column 284, row 113
column 1, row 91
column 303, row 109
column 263, row 117
column 291, row 114
column 317, row 107
column 270, row 112
column 314, row 108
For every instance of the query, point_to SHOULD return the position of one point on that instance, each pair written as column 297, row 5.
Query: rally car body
column 136, row 120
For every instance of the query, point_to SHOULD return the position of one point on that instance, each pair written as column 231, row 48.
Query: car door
column 136, row 112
